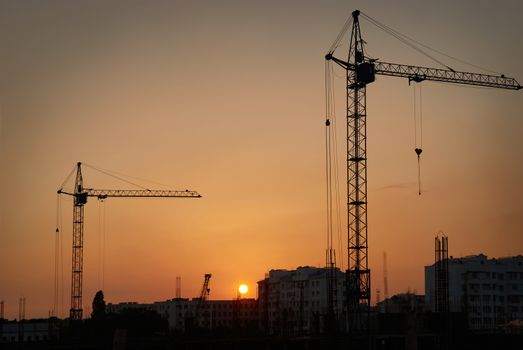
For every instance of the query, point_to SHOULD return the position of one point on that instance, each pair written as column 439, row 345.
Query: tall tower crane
column 80, row 195
column 360, row 71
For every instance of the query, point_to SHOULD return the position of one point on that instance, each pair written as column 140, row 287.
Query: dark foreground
column 123, row 341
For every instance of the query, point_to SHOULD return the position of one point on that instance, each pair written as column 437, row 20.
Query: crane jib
column 365, row 73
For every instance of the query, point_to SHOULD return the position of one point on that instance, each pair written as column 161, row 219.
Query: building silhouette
column 488, row 291
column 295, row 302
column 181, row 313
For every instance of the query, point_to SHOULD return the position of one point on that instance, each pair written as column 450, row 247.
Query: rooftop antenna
column 385, row 280
column 178, row 287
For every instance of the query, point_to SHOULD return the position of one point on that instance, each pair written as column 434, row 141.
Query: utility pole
column 178, row 287
column 385, row 281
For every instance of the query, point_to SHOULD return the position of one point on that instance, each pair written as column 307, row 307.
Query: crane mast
column 80, row 195
column 358, row 273
column 360, row 71
column 79, row 200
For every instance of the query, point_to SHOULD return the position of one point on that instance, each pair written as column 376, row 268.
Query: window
column 512, row 298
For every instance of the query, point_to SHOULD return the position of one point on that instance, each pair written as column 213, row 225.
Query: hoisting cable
column 56, row 259
column 391, row 30
column 58, row 262
column 341, row 34
column 332, row 171
column 418, row 148
column 330, row 253
column 328, row 168
column 62, row 285
column 336, row 169
column 104, row 239
column 99, row 244
column 404, row 39
column 328, row 175
column 67, row 179
column 115, row 176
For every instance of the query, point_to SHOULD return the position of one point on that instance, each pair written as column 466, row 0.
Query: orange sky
column 227, row 98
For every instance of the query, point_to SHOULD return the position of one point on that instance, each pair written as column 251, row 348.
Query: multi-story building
column 295, row 302
column 184, row 313
column 403, row 303
column 28, row 331
column 488, row 291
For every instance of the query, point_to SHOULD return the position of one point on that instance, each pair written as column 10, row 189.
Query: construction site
column 132, row 246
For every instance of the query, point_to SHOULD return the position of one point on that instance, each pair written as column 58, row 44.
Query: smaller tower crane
column 80, row 195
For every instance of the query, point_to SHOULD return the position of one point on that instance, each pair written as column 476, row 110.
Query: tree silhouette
column 98, row 306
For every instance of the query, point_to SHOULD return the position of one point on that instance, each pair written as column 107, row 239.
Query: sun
column 243, row 289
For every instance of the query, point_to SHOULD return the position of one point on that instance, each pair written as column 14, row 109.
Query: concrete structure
column 215, row 314
column 28, row 331
column 488, row 291
column 403, row 303
column 295, row 302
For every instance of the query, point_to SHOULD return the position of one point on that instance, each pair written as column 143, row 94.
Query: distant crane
column 360, row 71
column 193, row 319
column 80, row 195
column 204, row 294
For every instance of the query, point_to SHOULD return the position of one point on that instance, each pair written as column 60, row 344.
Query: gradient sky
column 227, row 98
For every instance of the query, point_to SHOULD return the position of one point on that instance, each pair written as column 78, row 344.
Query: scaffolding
column 441, row 265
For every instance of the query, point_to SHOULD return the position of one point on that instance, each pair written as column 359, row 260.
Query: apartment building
column 488, row 291
column 295, row 302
